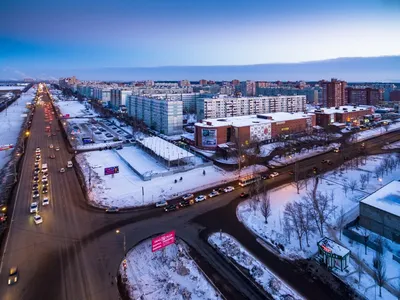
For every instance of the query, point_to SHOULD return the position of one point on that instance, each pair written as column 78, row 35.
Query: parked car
column 229, row 189
column 336, row 150
column 273, row 175
column 187, row 196
column 185, row 203
column 171, row 207
column 112, row 209
column 161, row 203
column 213, row 194
column 200, row 198
column 62, row 170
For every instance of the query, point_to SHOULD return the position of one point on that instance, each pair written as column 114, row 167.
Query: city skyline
column 153, row 34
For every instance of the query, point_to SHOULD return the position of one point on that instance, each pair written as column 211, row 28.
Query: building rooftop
column 241, row 121
column 339, row 110
column 333, row 247
column 387, row 198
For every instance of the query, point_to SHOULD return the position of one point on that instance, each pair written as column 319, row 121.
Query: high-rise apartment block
column 183, row 83
column 333, row 93
column 222, row 107
column 203, row 82
column 160, row 114
column 364, row 96
column 248, row 88
column 118, row 97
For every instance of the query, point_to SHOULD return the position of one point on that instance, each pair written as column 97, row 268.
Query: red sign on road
column 163, row 241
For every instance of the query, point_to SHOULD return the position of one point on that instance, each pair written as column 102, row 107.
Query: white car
column 37, row 150
column 34, row 208
column 46, row 201
column 229, row 189
column 51, row 146
column 44, row 178
column 187, row 196
column 200, row 198
column 57, row 148
column 213, row 194
column 62, row 170
column 273, row 175
column 37, row 219
column 161, row 203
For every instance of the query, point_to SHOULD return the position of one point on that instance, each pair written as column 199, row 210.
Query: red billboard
column 110, row 170
column 6, row 147
column 163, row 241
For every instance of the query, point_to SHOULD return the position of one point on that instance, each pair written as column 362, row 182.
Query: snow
column 11, row 122
column 166, row 274
column 332, row 184
column 75, row 109
column 370, row 133
column 230, row 247
column 267, row 149
column 334, row 247
column 305, row 153
column 395, row 145
column 386, row 198
column 165, row 149
column 97, row 146
column 340, row 110
column 12, row 87
column 125, row 188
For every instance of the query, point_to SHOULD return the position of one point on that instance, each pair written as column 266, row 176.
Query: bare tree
column 365, row 234
column 386, row 127
column 341, row 222
column 359, row 267
column 265, row 205
column 379, row 271
column 363, row 181
column 294, row 214
column 353, row 185
column 345, row 188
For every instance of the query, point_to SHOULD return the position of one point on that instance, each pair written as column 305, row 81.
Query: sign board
column 209, row 137
column 66, row 116
column 87, row 141
column 6, row 147
column 111, row 170
column 163, row 241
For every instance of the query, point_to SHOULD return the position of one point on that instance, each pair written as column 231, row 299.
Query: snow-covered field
column 11, row 87
column 166, row 274
column 305, row 153
column 11, row 121
column 126, row 188
column 271, row 283
column 333, row 184
column 366, row 134
column 75, row 109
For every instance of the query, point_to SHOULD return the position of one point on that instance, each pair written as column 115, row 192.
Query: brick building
column 395, row 95
column 333, row 92
column 363, row 96
column 342, row 114
column 246, row 129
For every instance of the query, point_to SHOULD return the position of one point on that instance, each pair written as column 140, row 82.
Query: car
column 324, row 161
column 273, row 175
column 51, row 146
column 35, row 186
column 112, row 209
column 36, row 172
column 45, row 190
column 45, row 173
column 336, row 150
column 45, row 183
column 329, row 162
column 34, row 208
column 37, row 219
column 36, row 164
column 57, row 148
column 200, row 198
column 315, row 170
column 13, row 275
column 161, row 203
column 38, row 150
column 229, row 189
column 185, row 203
column 52, row 156
column 187, row 196
column 119, row 131
column 35, row 178
column 97, row 132
column 244, row 195
column 264, row 177
column 114, row 128
column 37, row 159
column 171, row 207
column 109, row 135
column 213, row 194
column 35, row 194
column 45, row 201
column 62, row 170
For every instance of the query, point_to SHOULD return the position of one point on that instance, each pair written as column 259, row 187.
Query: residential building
column 118, row 97
column 311, row 93
column 223, row 106
column 235, row 82
column 209, row 133
column 159, row 113
column 333, row 93
column 363, row 96
column 395, row 95
column 184, row 83
column 248, row 88
column 203, row 82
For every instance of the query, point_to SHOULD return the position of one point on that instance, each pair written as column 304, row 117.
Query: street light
column 380, row 180
column 123, row 233
column 27, row 133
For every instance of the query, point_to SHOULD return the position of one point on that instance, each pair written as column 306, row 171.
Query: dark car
column 264, row 177
column 35, row 187
column 185, row 203
column 13, row 276
column 244, row 195
column 112, row 209
column 171, row 207
column 44, row 190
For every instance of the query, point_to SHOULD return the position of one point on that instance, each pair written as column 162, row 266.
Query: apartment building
column 159, row 113
column 222, row 107
column 363, row 96
column 248, row 88
column 333, row 92
column 118, row 97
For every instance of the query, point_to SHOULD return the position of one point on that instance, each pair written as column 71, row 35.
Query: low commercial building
column 342, row 114
column 380, row 211
column 333, row 255
column 247, row 129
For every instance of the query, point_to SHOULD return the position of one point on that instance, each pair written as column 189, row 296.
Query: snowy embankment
column 271, row 283
column 126, row 189
column 305, row 153
column 370, row 133
column 74, row 109
column 98, row 145
column 11, row 120
column 343, row 189
column 395, row 145
column 166, row 274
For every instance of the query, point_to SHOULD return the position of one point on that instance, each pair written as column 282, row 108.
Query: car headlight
column 9, row 281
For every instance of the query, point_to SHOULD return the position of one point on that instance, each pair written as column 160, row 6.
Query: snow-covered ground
column 11, row 121
column 165, row 149
column 305, row 153
column 75, row 109
column 271, row 283
column 11, row 87
column 370, row 133
column 125, row 188
column 166, row 274
column 332, row 183
column 395, row 145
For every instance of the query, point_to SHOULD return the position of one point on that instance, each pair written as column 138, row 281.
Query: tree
column 379, row 271
column 365, row 234
column 345, row 188
column 386, row 127
column 265, row 205
column 294, row 214
column 341, row 222
column 363, row 181
column 353, row 185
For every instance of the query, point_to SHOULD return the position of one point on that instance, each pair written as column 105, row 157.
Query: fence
column 360, row 239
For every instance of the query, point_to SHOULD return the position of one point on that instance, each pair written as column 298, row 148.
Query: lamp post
column 123, row 233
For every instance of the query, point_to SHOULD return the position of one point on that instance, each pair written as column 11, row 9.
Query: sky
column 42, row 37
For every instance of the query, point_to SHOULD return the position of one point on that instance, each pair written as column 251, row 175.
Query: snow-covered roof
column 249, row 120
column 165, row 149
column 387, row 198
column 340, row 110
column 335, row 248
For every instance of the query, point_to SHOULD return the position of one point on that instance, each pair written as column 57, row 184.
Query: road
column 75, row 253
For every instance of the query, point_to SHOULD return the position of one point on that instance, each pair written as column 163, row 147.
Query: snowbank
column 75, row 109
column 370, row 133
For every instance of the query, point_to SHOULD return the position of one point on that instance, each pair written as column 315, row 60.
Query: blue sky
column 50, row 35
